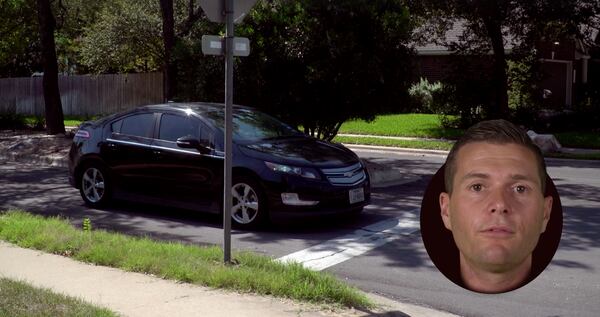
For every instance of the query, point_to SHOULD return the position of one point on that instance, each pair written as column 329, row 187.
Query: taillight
column 82, row 134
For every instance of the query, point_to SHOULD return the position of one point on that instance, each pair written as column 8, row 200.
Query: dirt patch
column 28, row 142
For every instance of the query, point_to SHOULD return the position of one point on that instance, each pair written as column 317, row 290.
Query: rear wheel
column 249, row 206
column 95, row 185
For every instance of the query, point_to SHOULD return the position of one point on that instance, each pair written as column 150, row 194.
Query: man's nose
column 499, row 202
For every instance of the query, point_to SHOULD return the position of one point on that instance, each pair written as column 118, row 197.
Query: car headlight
column 294, row 170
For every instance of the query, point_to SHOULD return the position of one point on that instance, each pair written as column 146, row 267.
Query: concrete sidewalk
column 135, row 294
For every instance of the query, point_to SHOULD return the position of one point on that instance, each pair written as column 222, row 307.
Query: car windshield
column 251, row 125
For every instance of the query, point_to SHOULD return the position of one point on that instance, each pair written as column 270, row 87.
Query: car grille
column 345, row 176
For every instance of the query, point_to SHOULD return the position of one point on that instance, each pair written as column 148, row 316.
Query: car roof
column 197, row 107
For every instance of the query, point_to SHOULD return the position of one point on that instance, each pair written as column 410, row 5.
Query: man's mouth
column 498, row 231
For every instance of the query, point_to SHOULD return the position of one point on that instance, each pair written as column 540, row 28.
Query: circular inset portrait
column 485, row 249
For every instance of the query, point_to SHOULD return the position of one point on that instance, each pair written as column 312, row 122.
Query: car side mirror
column 190, row 142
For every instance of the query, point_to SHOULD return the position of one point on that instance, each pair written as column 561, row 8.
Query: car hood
column 301, row 151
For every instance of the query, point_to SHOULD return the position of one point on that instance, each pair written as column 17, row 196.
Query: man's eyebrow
column 521, row 177
column 517, row 177
column 475, row 175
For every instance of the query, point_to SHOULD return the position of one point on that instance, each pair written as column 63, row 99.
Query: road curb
column 377, row 148
column 50, row 160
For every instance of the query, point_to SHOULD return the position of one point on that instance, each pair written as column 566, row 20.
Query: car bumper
column 332, row 200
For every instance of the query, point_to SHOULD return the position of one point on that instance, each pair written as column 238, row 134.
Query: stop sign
column 215, row 9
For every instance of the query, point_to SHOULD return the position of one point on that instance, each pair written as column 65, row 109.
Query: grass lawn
column 429, row 126
column 21, row 299
column 187, row 263
column 408, row 125
column 414, row 144
column 588, row 140
column 70, row 121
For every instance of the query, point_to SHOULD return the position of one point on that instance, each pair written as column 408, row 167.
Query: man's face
column 496, row 211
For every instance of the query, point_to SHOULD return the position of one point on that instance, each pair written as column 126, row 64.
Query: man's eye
column 476, row 187
column 520, row 189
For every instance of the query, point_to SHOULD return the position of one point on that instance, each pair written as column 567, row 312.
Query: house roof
column 432, row 45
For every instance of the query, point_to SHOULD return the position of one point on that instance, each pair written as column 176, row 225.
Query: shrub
column 424, row 94
column 10, row 120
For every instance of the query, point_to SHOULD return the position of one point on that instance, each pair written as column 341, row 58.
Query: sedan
column 173, row 154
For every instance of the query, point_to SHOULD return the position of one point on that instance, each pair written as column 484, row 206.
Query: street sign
column 215, row 9
column 228, row 12
column 215, row 45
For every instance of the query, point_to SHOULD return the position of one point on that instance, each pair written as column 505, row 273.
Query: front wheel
column 95, row 185
column 249, row 206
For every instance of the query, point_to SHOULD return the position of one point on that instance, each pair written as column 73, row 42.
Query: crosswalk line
column 338, row 250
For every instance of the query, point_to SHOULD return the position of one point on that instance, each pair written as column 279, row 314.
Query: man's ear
column 547, row 211
column 445, row 210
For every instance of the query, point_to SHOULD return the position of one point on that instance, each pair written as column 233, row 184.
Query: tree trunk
column 499, row 103
column 169, row 66
column 54, row 114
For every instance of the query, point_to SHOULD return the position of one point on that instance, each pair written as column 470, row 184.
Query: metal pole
column 228, row 130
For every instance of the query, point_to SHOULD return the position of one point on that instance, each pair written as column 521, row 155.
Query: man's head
column 495, row 132
column 494, row 204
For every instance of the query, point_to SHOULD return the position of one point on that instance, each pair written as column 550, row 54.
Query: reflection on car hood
column 301, row 151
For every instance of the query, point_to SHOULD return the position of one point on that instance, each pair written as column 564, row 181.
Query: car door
column 186, row 175
column 128, row 152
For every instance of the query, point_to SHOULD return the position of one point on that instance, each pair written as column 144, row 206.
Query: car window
column 173, row 127
column 137, row 125
column 251, row 125
column 116, row 126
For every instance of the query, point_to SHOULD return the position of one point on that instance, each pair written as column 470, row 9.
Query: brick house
column 567, row 66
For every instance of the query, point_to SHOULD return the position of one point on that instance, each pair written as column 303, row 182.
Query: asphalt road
column 398, row 267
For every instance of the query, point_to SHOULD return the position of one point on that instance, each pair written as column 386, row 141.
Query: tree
column 169, row 67
column 47, row 24
column 19, row 39
column 125, row 37
column 319, row 63
column 490, row 23
column 170, row 38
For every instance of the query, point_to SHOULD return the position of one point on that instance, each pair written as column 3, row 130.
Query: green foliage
column 36, row 122
column 488, row 27
column 126, row 37
column 425, row 94
column 19, row 38
column 317, row 65
column 86, row 225
column 10, row 120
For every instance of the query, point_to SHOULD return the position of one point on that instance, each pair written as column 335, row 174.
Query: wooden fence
column 83, row 95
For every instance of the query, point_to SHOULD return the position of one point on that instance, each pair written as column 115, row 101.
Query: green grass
column 20, row 299
column 429, row 126
column 409, row 125
column 575, row 156
column 70, row 121
column 187, row 263
column 415, row 144
column 588, row 140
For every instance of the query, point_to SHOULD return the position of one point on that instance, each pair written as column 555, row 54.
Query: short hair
column 495, row 132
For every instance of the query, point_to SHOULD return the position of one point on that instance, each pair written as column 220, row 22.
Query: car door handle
column 157, row 153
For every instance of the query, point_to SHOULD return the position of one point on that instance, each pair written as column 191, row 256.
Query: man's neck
column 480, row 280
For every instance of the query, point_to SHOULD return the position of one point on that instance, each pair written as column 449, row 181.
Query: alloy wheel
column 92, row 184
column 245, row 205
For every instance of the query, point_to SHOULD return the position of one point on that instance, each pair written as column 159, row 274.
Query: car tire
column 95, row 186
column 249, row 206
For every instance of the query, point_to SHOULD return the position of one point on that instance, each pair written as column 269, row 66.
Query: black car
column 174, row 153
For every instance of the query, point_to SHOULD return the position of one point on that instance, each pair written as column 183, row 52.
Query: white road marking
column 335, row 251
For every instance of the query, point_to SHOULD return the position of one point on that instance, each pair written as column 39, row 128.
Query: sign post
column 223, row 11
